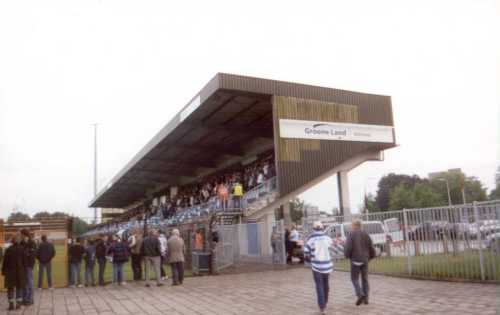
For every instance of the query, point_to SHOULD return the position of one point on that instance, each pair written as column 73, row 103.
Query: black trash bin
column 200, row 262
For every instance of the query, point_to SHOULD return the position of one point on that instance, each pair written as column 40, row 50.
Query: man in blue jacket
column 45, row 254
column 317, row 253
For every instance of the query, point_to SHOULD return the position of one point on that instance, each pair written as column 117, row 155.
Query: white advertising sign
column 321, row 130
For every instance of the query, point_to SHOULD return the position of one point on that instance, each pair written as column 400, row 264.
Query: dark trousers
column 321, row 280
column 355, row 272
column 47, row 267
column 162, row 269
column 102, row 267
column 137, row 266
column 177, row 272
column 15, row 294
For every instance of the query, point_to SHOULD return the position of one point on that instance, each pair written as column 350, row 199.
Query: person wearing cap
column 317, row 253
column 359, row 249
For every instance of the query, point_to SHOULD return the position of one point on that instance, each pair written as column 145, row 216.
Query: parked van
column 376, row 229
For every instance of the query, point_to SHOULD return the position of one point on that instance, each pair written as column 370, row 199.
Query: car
column 376, row 229
column 429, row 231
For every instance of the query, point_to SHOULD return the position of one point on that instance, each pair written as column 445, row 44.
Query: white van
column 376, row 229
column 394, row 231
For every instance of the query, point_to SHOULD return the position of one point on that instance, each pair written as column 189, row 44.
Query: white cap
column 317, row 225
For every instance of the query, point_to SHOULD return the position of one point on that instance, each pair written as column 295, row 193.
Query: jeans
column 177, row 272
column 15, row 296
column 162, row 270
column 89, row 273
column 75, row 273
column 155, row 262
column 355, row 272
column 136, row 266
column 237, row 202
column 118, row 272
column 321, row 280
column 28, row 289
column 102, row 267
column 47, row 267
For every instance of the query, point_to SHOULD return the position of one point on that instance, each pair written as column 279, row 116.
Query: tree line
column 79, row 225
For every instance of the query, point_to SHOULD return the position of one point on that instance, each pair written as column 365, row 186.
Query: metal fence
column 458, row 242
column 250, row 243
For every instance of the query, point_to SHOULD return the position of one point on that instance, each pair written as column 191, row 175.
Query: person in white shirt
column 163, row 250
column 317, row 253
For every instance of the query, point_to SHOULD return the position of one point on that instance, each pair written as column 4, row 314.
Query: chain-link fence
column 457, row 242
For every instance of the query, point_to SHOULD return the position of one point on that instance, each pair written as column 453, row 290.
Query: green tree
column 79, row 226
column 18, row 216
column 297, row 207
column 495, row 193
column 370, row 204
column 402, row 197
column 42, row 215
column 473, row 188
column 425, row 197
column 388, row 184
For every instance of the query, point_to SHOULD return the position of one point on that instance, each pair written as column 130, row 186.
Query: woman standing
column 13, row 269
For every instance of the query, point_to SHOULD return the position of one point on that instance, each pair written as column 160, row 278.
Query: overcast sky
column 132, row 65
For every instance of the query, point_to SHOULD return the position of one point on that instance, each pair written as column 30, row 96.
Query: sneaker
column 123, row 283
column 147, row 285
column 365, row 300
column 80, row 286
column 72, row 286
column 322, row 311
column 51, row 288
column 159, row 285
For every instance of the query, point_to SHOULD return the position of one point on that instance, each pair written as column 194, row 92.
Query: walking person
column 135, row 244
column 151, row 250
column 90, row 258
column 14, row 272
column 317, row 252
column 46, row 252
column 30, row 250
column 75, row 253
column 359, row 249
column 120, row 253
column 275, row 245
column 100, row 254
column 176, row 249
column 163, row 251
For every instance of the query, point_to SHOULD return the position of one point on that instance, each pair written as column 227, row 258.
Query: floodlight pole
column 95, row 169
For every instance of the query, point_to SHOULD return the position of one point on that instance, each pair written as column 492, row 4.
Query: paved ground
column 271, row 292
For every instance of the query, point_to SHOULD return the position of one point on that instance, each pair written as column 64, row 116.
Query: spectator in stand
column 119, row 252
column 30, row 251
column 151, row 250
column 75, row 253
column 90, row 258
column 163, row 251
column 223, row 194
column 135, row 244
column 14, row 272
column 100, row 253
column 176, row 249
column 237, row 195
column 45, row 254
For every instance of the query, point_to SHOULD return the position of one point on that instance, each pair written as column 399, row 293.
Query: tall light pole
column 95, row 169
column 447, row 188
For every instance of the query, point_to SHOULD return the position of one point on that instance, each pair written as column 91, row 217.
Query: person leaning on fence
column 119, row 252
column 90, row 258
column 14, row 272
column 135, row 244
column 75, row 253
column 359, row 249
column 151, row 250
column 45, row 253
column 176, row 249
column 317, row 253
column 100, row 254
column 30, row 250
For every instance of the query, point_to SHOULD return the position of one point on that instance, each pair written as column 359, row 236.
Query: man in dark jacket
column 30, row 252
column 120, row 253
column 13, row 269
column 89, row 263
column 45, row 254
column 100, row 254
column 359, row 249
column 76, row 252
column 151, row 250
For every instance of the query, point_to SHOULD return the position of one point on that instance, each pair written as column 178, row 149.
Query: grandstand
column 274, row 139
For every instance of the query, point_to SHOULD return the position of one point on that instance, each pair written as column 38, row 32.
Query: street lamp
column 447, row 188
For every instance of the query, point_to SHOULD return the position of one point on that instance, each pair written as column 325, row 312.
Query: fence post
column 480, row 239
column 407, row 241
